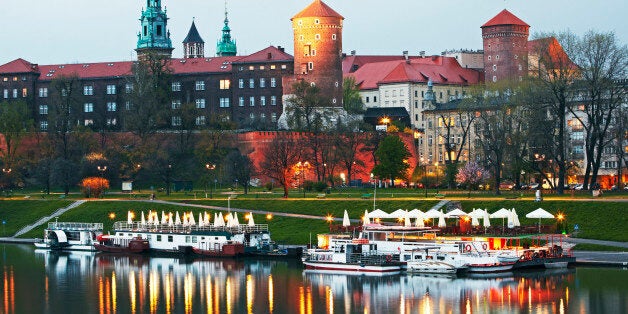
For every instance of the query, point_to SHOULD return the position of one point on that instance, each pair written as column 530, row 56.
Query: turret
column 193, row 44
column 226, row 46
column 154, row 36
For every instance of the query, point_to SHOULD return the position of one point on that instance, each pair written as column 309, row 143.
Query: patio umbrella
column 456, row 213
column 406, row 220
column 378, row 213
column 177, row 219
column 219, row 221
column 366, row 219
column 475, row 215
column 416, row 213
column 206, row 218
column 487, row 222
column 515, row 218
column 251, row 221
column 164, row 218
column 150, row 217
column 170, row 222
column 229, row 220
column 502, row 213
column 143, row 219
column 185, row 221
column 441, row 220
column 345, row 220
column 399, row 213
column 432, row 213
column 201, row 221
column 419, row 222
column 236, row 222
column 129, row 217
column 191, row 221
column 539, row 213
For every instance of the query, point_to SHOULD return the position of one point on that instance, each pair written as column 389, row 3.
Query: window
column 261, row 67
column 317, row 21
column 24, row 92
column 273, row 117
column 88, row 122
column 200, row 103
column 262, row 100
column 272, row 66
column 88, row 90
column 241, row 83
column 112, row 106
column 283, row 66
column 176, row 121
column 43, row 92
column 251, row 83
column 111, row 89
column 489, row 57
column 394, row 93
column 112, row 121
column 6, row 93
column 273, row 100
column 252, row 116
column 374, row 98
column 43, row 109
column 262, row 116
column 241, row 101
column 224, row 102
column 252, row 101
column 273, row 82
column 262, row 82
column 251, row 68
column 176, row 104
column 333, row 36
column 128, row 88
column 577, row 136
column 430, row 140
column 200, row 120
column 225, row 84
column 43, row 125
column 310, row 65
column 313, row 52
column 176, row 86
column 494, row 78
column 494, row 67
column 88, row 107
column 200, row 85
column 317, row 36
column 127, row 105
column 301, row 38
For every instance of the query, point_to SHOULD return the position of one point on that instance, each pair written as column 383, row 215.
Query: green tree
column 302, row 108
column 392, row 155
column 14, row 125
column 351, row 100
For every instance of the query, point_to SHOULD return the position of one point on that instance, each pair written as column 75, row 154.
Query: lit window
column 273, row 82
column 24, row 92
column 111, row 89
column 224, row 102
column 241, row 101
column 43, row 92
column 89, row 122
column 88, row 90
column 252, row 101
column 225, row 84
column 89, row 107
column 262, row 100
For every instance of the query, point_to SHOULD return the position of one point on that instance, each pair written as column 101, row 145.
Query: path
column 45, row 219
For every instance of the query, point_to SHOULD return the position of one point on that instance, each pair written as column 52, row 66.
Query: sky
column 80, row 31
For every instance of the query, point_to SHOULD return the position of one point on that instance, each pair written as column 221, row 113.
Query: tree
column 240, row 168
column 14, row 125
column 302, row 108
column 351, row 99
column 94, row 186
column 471, row 174
column 392, row 159
column 279, row 158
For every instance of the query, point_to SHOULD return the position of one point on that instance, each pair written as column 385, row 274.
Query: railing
column 74, row 226
column 123, row 226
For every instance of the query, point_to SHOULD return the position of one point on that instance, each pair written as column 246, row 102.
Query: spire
column 226, row 46
column 193, row 44
column 154, row 35
column 429, row 95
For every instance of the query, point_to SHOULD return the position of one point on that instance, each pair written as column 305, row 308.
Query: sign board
column 127, row 186
column 576, row 227
column 381, row 127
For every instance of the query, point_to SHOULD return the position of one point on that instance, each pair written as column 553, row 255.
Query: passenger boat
column 551, row 256
column 121, row 244
column 79, row 236
column 227, row 249
column 352, row 258
column 430, row 261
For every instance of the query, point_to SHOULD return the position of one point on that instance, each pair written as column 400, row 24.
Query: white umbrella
column 251, row 221
column 511, row 221
column 441, row 220
column 540, row 213
column 170, row 222
column 487, row 222
column 419, row 222
column 143, row 219
column 236, row 222
column 129, row 217
column 345, row 220
column 475, row 215
column 191, row 220
column 378, row 213
column 177, row 219
column 185, row 221
column 150, row 217
column 456, row 213
column 228, row 219
column 502, row 213
column 164, row 218
column 432, row 213
column 219, row 221
column 201, row 221
column 406, row 220
column 399, row 213
column 206, row 219
column 515, row 218
column 366, row 219
column 416, row 213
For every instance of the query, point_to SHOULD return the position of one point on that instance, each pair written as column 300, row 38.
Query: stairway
column 45, row 219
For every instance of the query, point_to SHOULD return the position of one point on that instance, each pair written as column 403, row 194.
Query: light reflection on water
column 45, row 282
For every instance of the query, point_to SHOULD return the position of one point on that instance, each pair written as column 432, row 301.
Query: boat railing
column 124, row 226
column 75, row 226
column 371, row 258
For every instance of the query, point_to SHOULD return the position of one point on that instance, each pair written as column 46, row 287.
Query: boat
column 430, row 261
column 352, row 258
column 226, row 249
column 121, row 244
column 555, row 264
column 78, row 236
column 551, row 256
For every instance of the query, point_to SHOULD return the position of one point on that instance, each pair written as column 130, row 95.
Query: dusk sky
column 77, row 31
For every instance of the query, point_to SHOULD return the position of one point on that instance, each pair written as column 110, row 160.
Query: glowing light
column 250, row 294
column 114, row 294
column 560, row 216
column 271, row 294
column 112, row 216
column 132, row 291
column 329, row 218
column 269, row 216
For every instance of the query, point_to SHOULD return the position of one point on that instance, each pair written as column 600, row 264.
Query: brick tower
column 505, row 38
column 318, row 49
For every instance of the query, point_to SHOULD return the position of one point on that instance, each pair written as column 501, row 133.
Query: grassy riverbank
column 596, row 220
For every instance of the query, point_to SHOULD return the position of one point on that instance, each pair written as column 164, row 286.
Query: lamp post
column 424, row 175
column 302, row 166
column 210, row 167
column 374, row 189
column 102, row 170
column 436, row 164
column 168, row 179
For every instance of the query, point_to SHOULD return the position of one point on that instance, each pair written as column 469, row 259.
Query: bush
column 320, row 186
column 93, row 186
column 269, row 186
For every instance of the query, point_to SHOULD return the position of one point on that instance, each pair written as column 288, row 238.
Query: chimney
column 280, row 48
column 353, row 52
column 422, row 53
column 405, row 54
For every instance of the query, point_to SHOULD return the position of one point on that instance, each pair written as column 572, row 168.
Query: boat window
column 202, row 238
column 148, row 237
column 406, row 257
column 418, row 257
column 194, row 239
column 159, row 237
column 440, row 258
column 130, row 234
column 170, row 238
column 187, row 239
column 216, row 238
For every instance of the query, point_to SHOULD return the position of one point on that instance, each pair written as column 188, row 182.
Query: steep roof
column 441, row 70
column 505, row 18
column 352, row 62
column 318, row 9
column 19, row 66
column 550, row 48
column 193, row 35
column 270, row 53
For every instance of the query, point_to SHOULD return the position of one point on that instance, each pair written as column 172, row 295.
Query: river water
column 33, row 281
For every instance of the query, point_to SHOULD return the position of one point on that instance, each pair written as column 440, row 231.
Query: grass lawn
column 596, row 247
column 19, row 214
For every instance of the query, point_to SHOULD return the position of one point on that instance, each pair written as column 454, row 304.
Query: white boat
column 429, row 260
column 352, row 258
column 78, row 236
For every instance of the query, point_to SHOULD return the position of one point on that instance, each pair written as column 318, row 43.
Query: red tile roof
column 505, row 18
column 318, row 9
column 263, row 55
column 18, row 66
column 549, row 47
column 359, row 60
column 441, row 70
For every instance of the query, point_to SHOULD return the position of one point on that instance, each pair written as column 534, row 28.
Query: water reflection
column 47, row 282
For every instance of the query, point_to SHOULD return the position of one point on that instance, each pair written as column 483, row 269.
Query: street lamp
column 436, row 164
column 168, row 179
column 210, row 167
column 374, row 189
column 424, row 175
column 302, row 166
column 102, row 170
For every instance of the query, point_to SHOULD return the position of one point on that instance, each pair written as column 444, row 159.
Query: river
column 34, row 281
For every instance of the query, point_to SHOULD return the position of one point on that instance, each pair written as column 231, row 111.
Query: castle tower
column 505, row 38
column 193, row 44
column 154, row 36
column 318, row 49
column 226, row 46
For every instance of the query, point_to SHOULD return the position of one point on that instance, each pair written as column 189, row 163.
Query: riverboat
column 227, row 249
column 75, row 236
column 352, row 258
column 121, row 244
column 552, row 256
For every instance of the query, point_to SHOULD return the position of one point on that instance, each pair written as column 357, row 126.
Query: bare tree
column 280, row 156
